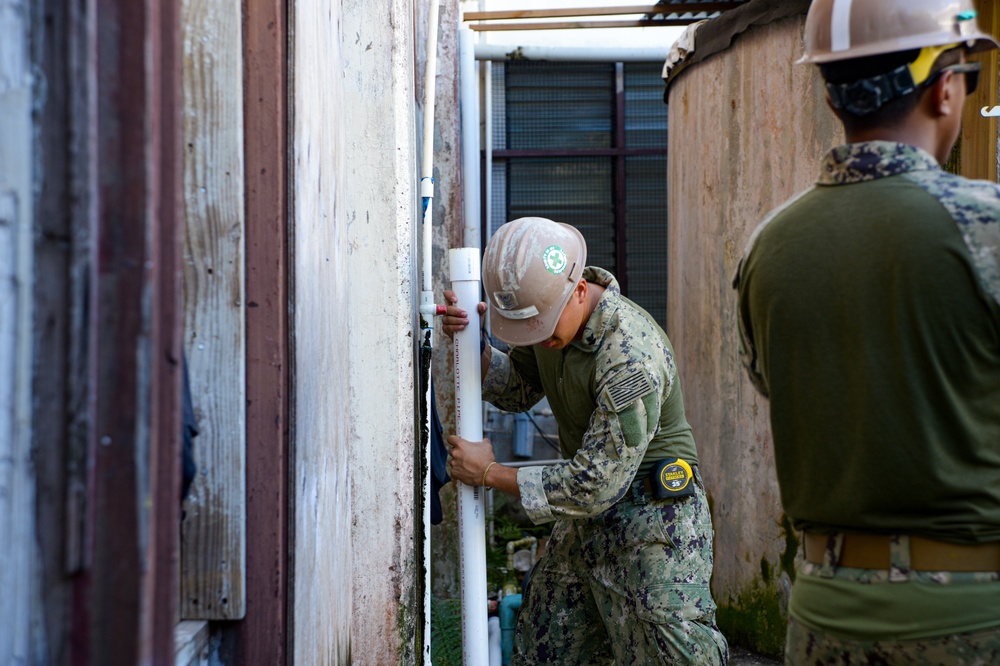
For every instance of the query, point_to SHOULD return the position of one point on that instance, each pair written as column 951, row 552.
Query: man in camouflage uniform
column 869, row 316
column 625, row 576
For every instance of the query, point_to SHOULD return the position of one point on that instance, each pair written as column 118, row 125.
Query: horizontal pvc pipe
column 464, row 264
column 570, row 53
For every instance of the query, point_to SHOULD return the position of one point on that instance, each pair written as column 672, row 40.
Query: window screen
column 562, row 137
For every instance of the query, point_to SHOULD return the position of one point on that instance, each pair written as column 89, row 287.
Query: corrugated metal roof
column 705, row 38
column 699, row 9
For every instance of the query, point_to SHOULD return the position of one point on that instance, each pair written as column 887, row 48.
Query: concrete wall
column 747, row 130
column 354, row 166
column 449, row 221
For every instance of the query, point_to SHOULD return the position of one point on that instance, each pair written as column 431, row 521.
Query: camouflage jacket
column 615, row 396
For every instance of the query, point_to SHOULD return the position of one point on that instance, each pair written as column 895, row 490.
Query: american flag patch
column 629, row 386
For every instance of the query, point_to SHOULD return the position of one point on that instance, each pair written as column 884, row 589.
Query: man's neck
column 594, row 293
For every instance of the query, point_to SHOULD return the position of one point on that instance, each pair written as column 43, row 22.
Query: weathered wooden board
column 213, row 533
column 17, row 479
column 979, row 135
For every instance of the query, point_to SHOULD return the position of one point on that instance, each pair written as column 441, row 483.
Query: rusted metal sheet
column 162, row 598
column 747, row 131
column 213, row 542
column 112, row 620
column 117, row 616
column 261, row 637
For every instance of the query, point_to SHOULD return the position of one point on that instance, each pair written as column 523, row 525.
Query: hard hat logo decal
column 987, row 112
column 554, row 259
column 505, row 300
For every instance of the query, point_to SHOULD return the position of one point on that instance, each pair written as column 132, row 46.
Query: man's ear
column 941, row 96
column 581, row 289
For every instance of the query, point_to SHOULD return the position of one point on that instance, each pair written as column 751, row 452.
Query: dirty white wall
column 747, row 131
column 381, row 219
column 20, row 604
column 320, row 527
column 354, row 168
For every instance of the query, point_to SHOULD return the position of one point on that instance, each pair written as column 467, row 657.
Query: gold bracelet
column 485, row 472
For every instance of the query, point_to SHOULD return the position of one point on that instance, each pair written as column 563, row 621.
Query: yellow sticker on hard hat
column 554, row 259
column 920, row 68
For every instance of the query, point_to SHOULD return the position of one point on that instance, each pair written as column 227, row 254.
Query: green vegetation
column 754, row 620
column 446, row 632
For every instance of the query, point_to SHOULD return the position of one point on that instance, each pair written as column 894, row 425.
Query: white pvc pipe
column 464, row 264
column 427, row 167
column 570, row 53
column 488, row 103
column 426, row 308
column 468, row 86
column 496, row 653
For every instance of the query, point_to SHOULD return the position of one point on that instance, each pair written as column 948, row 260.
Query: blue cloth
column 439, row 457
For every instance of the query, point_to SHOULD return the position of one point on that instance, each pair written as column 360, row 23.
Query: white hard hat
column 530, row 268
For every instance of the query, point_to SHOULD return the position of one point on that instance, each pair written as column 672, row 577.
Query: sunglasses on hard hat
column 970, row 69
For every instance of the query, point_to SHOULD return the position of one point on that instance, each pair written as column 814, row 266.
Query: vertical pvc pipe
column 426, row 307
column 468, row 84
column 464, row 264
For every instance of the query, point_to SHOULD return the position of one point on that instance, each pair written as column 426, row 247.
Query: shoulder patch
column 628, row 386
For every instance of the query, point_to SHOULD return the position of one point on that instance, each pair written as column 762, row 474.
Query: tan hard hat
column 846, row 29
column 530, row 268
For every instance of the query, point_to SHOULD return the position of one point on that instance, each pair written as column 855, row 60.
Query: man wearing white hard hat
column 625, row 576
column 869, row 313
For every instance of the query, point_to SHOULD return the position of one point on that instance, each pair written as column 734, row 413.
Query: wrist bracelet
column 485, row 472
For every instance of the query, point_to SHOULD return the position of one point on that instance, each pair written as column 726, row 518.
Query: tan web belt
column 871, row 551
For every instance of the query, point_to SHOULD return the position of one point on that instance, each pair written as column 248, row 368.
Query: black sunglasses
column 970, row 69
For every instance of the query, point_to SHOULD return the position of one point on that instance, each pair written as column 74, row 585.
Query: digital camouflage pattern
column 614, row 394
column 630, row 586
column 624, row 578
column 804, row 646
column 974, row 204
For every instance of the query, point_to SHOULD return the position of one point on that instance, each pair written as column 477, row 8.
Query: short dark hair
column 895, row 110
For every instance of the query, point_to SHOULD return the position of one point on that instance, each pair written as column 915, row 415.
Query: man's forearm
column 503, row 478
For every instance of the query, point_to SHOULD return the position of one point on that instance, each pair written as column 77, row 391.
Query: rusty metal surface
column 261, row 637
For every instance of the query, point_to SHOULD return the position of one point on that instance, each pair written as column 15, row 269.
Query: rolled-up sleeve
column 603, row 468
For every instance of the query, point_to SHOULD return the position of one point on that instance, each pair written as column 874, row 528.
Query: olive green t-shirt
column 868, row 315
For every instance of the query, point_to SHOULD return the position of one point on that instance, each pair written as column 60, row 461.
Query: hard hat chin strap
column 866, row 96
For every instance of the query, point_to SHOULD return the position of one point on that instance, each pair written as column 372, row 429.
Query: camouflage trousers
column 805, row 646
column 627, row 587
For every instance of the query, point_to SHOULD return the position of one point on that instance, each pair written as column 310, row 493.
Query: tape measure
column 673, row 478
